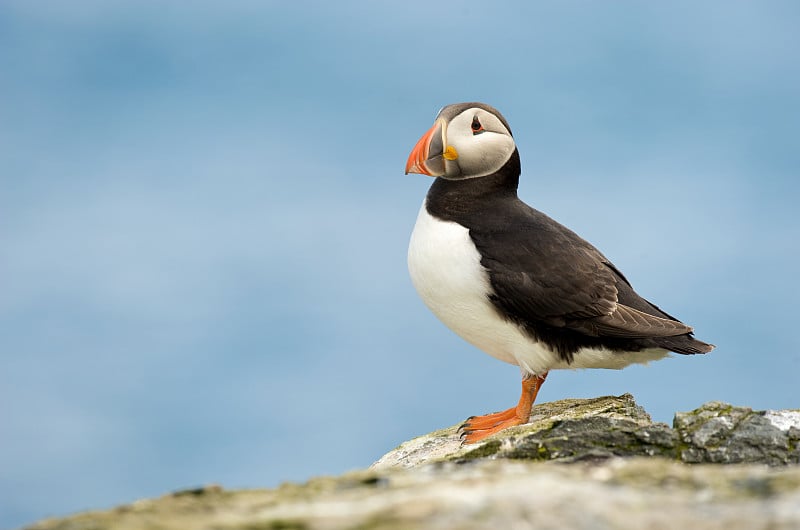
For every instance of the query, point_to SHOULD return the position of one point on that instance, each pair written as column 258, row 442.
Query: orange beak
column 427, row 156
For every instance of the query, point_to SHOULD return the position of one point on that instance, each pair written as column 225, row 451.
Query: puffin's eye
column 477, row 128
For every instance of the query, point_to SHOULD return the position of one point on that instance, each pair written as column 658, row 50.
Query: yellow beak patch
column 450, row 153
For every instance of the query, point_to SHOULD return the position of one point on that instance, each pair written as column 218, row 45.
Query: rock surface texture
column 596, row 463
column 592, row 429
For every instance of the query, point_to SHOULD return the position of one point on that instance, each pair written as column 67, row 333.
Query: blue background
column 204, row 222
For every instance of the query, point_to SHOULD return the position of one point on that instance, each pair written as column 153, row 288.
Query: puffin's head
column 467, row 140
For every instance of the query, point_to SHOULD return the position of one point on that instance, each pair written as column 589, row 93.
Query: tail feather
column 684, row 344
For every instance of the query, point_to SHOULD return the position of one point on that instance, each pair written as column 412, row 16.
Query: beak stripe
column 426, row 157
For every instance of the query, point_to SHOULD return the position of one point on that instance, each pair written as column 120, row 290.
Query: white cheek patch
column 484, row 154
column 478, row 154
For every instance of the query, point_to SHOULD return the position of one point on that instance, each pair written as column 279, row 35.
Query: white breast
column 446, row 270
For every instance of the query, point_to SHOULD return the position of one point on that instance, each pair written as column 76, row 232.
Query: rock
column 596, row 463
column 484, row 494
column 720, row 433
column 590, row 429
column 562, row 415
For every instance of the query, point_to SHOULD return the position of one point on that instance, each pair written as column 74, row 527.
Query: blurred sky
column 204, row 222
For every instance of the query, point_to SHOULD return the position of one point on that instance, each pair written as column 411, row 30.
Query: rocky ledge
column 596, row 463
column 591, row 429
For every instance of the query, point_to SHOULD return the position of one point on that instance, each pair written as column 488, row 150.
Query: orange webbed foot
column 478, row 428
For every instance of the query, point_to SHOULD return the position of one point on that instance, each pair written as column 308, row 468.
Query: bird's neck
column 454, row 196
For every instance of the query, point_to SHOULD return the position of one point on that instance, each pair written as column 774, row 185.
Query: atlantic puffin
column 512, row 281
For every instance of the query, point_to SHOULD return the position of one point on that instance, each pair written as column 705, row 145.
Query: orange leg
column 477, row 428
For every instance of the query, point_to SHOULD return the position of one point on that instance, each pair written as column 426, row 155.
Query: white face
column 481, row 144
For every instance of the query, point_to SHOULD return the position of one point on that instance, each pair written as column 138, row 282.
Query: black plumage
column 559, row 288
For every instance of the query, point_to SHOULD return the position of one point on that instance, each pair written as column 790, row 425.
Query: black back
column 559, row 288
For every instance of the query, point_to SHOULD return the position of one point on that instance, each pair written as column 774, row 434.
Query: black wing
column 543, row 273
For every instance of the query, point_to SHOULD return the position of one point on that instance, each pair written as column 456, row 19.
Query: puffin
column 513, row 282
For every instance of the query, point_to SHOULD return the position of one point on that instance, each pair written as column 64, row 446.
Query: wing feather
column 557, row 278
column 627, row 322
